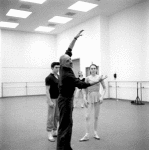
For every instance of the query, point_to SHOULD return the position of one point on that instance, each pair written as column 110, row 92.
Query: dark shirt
column 53, row 82
column 68, row 81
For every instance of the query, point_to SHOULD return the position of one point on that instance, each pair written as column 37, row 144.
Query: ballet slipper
column 85, row 138
column 96, row 137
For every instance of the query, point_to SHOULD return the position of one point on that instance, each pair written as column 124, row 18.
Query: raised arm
column 69, row 50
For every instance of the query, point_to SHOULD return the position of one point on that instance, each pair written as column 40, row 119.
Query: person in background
column 79, row 93
column 52, row 93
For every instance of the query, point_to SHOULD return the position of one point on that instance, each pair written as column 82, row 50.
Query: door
column 76, row 66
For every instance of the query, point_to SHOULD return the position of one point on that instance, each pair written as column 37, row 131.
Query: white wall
column 0, row 66
column 104, row 45
column 104, row 48
column 129, row 48
column 86, row 46
column 26, row 57
column 127, row 43
column 0, row 96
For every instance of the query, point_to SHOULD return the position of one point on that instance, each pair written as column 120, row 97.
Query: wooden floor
column 122, row 126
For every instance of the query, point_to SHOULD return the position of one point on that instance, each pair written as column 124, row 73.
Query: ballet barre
column 11, row 89
column 139, row 86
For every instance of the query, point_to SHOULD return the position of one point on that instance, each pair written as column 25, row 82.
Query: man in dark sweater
column 52, row 93
column 67, row 84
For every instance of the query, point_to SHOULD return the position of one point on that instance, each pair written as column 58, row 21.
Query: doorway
column 76, row 66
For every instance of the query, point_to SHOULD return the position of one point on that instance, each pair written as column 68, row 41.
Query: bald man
column 67, row 84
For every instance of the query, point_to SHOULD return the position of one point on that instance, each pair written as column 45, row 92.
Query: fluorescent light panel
column 82, row 6
column 34, row 1
column 44, row 29
column 59, row 19
column 8, row 24
column 18, row 13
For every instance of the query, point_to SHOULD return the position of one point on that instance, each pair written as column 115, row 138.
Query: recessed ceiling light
column 8, row 24
column 59, row 19
column 82, row 6
column 18, row 13
column 34, row 1
column 44, row 29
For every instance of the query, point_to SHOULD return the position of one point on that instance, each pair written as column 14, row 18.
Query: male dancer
column 52, row 93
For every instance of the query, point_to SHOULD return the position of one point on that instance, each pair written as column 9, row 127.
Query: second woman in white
column 79, row 93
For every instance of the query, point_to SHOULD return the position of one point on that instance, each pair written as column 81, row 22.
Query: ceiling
column 42, row 13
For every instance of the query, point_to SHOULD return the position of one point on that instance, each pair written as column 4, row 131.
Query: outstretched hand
column 102, row 78
column 79, row 34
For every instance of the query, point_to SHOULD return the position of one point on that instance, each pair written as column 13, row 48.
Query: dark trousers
column 65, row 106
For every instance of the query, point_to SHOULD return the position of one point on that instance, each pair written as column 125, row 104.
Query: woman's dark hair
column 55, row 64
column 93, row 65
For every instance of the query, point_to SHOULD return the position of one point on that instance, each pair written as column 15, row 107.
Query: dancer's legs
column 88, row 111
column 96, row 116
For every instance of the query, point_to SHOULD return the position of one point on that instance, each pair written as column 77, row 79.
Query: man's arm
column 99, row 80
column 48, row 83
column 81, row 84
column 69, row 51
column 49, row 101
